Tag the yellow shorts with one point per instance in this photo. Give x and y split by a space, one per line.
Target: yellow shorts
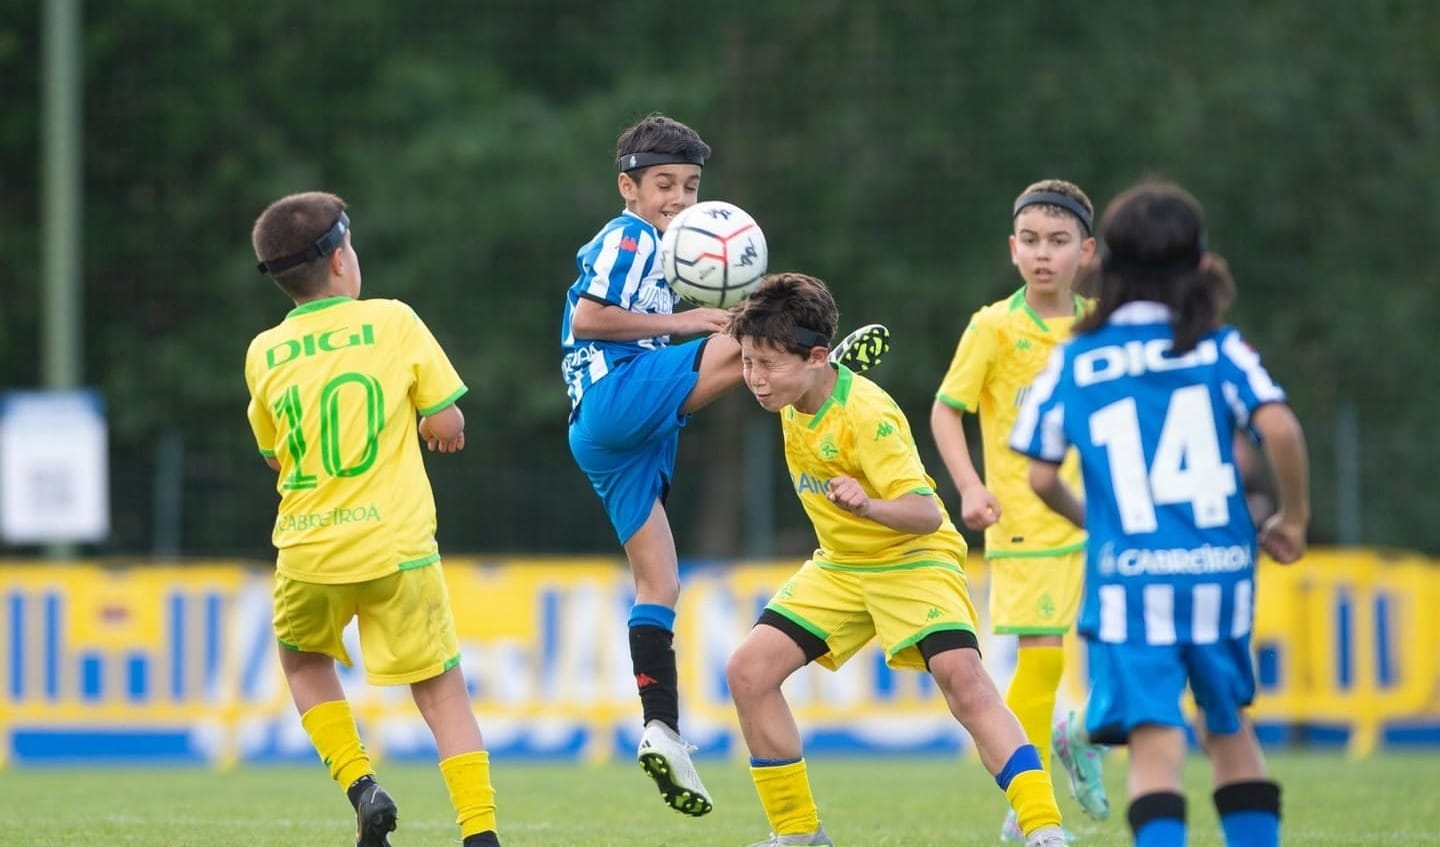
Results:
1037 595
846 606
407 632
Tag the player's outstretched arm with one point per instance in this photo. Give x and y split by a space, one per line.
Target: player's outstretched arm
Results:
1052 490
978 507
1283 535
444 431
594 321
914 514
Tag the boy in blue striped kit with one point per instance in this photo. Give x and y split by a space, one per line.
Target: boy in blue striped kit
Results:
632 391
1151 392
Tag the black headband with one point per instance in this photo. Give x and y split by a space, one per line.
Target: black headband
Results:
323 246
632 161
1051 198
810 338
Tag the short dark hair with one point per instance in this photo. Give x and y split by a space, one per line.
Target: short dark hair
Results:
792 311
1155 250
1063 188
655 133
288 226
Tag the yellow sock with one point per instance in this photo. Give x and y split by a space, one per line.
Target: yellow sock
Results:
1032 694
785 795
468 778
1033 798
331 728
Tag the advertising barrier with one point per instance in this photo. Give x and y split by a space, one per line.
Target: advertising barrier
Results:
177 663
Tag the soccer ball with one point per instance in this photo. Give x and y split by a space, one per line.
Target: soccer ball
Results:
713 253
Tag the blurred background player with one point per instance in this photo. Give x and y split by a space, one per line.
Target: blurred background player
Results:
334 393
631 392
890 565
1151 392
1036 557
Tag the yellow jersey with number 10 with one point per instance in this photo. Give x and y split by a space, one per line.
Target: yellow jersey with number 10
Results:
1004 348
334 393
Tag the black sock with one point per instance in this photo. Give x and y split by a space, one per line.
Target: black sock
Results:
488 838
357 788
652 656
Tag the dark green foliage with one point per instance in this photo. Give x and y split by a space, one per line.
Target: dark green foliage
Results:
879 145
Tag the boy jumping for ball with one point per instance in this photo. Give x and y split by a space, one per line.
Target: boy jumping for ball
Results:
631 392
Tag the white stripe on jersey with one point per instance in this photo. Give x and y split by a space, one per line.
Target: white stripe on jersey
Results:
1112 614
1205 614
1238 352
1043 386
1240 623
1159 603
598 367
1237 405
600 282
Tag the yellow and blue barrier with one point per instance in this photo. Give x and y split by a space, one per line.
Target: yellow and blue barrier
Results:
166 662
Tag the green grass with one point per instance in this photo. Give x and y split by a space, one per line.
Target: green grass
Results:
1329 801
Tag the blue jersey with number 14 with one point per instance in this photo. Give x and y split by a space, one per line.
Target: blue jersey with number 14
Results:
1172 546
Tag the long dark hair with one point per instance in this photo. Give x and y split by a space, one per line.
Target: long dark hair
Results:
1154 249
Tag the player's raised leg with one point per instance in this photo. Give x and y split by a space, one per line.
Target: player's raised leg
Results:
719 372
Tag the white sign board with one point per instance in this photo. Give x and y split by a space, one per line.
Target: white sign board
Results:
54 467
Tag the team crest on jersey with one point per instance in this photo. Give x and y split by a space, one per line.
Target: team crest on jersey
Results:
828 450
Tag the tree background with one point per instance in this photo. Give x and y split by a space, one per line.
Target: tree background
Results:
879 144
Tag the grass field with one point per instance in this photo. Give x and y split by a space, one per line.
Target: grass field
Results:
1329 801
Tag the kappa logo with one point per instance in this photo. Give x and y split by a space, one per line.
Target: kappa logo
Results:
1023 344
1046 606
932 614
629 245
883 430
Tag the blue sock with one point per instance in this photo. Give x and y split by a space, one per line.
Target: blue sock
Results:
770 763
1249 813
1158 820
1161 832
1025 758
652 614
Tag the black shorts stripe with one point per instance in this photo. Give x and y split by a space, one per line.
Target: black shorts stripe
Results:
811 644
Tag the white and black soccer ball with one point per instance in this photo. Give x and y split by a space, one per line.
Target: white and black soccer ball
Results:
713 253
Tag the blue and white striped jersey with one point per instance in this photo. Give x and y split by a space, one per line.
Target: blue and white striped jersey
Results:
619 266
1172 546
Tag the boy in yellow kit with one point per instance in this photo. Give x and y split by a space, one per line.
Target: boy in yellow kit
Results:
1036 557
889 566
335 389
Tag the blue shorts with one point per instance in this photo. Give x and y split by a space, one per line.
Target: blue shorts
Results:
626 430
1136 684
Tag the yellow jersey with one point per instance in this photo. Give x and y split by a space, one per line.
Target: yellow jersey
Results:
861 433
334 393
1004 348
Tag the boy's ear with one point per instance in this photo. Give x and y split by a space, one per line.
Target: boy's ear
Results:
819 355
628 189
1087 247
337 262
